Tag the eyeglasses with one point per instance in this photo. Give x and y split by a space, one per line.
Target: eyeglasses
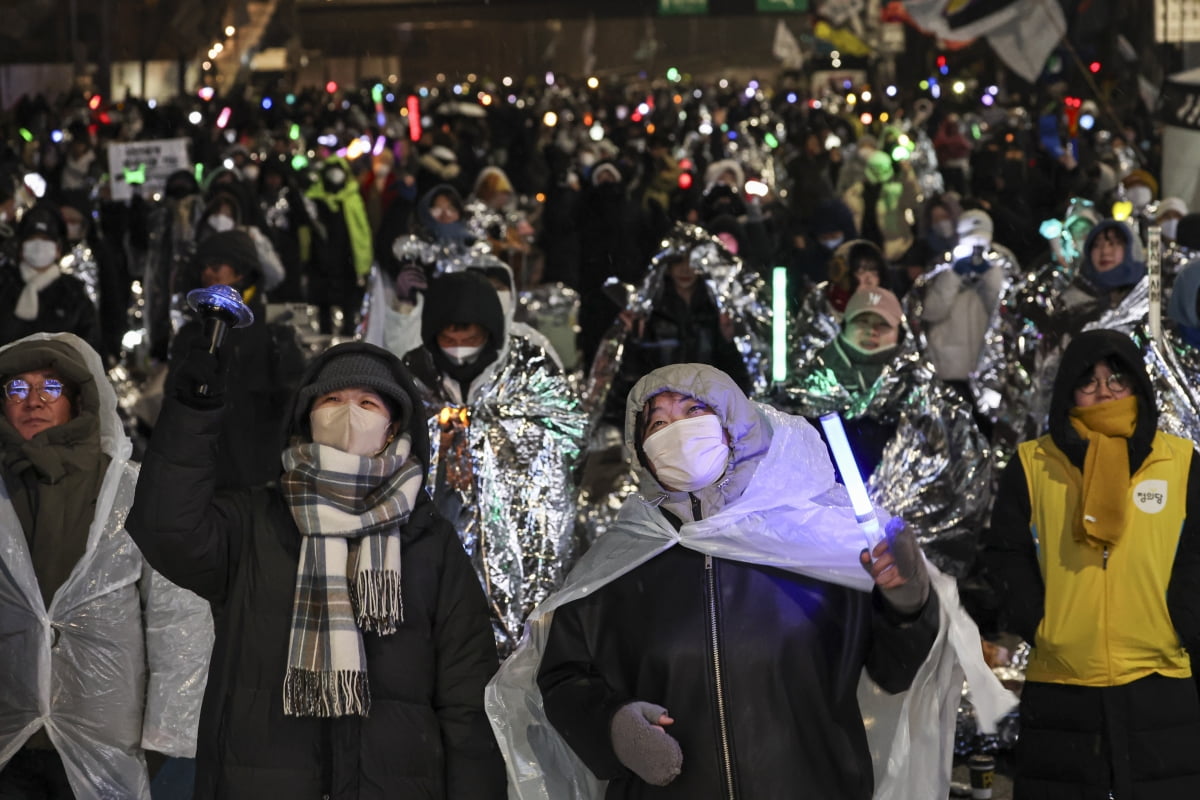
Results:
1116 383
18 390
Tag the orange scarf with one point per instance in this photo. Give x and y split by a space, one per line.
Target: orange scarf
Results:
1106 427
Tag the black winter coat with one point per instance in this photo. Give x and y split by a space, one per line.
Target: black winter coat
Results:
790 651
427 735
63 307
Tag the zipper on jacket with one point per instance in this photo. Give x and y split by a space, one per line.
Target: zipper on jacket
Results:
1105 556
718 677
696 515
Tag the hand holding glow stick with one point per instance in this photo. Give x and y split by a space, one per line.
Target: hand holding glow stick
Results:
864 512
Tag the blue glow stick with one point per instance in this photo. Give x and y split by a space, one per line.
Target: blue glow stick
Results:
864 512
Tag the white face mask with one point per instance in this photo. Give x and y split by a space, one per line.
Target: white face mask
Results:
221 222
1169 228
250 172
350 428
1139 195
39 253
832 244
688 454
462 355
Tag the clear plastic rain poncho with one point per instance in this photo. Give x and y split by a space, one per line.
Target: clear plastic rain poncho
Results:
936 469
502 462
119 662
737 292
793 516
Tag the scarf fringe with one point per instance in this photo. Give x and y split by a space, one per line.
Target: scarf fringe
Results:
309 693
378 604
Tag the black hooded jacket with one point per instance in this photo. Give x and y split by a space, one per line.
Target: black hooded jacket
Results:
427 734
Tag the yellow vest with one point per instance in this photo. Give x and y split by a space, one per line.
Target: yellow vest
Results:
1106 621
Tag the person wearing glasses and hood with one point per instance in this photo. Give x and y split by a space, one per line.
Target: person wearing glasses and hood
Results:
1094 548
336 672
103 659
711 643
507 432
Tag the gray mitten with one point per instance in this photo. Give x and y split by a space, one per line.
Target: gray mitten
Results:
643 746
909 597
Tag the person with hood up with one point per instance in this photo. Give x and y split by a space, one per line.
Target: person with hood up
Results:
1094 548
710 644
1016 370
343 258
103 659
36 296
508 431
352 643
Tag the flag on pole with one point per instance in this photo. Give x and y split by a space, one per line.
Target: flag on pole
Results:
786 48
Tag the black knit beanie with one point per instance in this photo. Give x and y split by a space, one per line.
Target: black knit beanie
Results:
234 248
356 369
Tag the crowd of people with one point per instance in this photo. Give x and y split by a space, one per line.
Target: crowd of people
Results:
507 479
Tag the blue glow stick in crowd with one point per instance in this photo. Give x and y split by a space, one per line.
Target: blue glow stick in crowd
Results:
864 512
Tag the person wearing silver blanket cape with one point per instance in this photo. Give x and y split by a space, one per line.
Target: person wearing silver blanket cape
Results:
744 661
1040 315
506 431
919 447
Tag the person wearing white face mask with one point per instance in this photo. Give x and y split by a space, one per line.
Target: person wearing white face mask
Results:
709 644
35 295
510 431
352 642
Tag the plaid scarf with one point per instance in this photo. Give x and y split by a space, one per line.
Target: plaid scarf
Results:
349 510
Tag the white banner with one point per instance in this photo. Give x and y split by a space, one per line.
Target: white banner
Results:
145 165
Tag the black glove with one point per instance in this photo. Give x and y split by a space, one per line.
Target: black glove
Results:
199 379
643 746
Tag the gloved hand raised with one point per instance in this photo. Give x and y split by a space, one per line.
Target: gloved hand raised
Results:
199 379
971 265
898 568
642 745
409 281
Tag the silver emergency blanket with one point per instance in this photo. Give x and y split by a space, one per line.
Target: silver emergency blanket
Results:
119 661
971 737
553 309
501 473
923 160
80 261
737 292
935 471
1021 354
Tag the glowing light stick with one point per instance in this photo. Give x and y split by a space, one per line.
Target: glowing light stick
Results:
779 324
864 512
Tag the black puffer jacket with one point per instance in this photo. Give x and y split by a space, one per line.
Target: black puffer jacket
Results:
63 307
427 735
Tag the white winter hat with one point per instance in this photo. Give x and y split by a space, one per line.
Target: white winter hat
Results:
975 228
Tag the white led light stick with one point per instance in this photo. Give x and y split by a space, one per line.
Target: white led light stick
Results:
864 512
